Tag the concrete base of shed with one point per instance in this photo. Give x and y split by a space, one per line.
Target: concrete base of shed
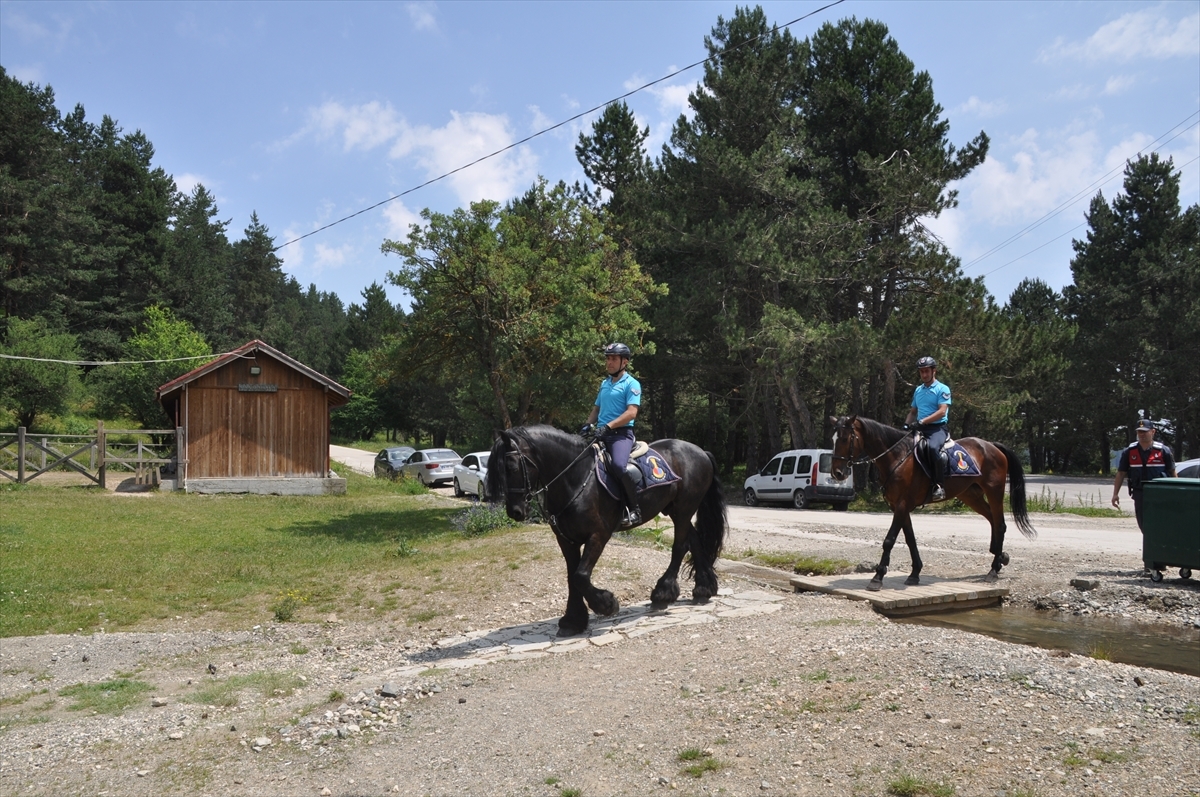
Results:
278 486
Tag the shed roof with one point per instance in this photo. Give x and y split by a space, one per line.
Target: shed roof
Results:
339 394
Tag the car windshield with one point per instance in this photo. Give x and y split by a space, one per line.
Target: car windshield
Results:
399 455
442 454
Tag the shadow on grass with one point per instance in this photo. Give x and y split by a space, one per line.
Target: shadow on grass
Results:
373 527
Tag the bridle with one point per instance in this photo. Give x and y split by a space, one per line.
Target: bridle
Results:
527 490
863 459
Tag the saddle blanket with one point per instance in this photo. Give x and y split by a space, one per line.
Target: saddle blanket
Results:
959 461
652 471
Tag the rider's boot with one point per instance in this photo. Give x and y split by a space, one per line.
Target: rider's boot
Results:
633 514
938 493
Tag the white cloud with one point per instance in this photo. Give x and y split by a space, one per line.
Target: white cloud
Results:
981 108
465 138
422 15
363 126
28 74
1117 84
33 31
398 218
538 120
327 258
186 183
1149 33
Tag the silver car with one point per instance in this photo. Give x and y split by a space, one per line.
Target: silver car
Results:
431 466
470 475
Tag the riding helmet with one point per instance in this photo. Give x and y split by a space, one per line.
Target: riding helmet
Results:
619 349
927 362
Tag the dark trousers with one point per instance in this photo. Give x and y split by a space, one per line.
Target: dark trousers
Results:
619 443
1137 508
935 437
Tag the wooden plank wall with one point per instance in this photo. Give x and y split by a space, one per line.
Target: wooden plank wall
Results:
232 434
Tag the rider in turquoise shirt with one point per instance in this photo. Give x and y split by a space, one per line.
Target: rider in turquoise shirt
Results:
930 416
611 422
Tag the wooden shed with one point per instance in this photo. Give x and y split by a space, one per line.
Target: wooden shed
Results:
254 420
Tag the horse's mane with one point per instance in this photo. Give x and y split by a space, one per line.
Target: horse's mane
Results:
538 432
890 434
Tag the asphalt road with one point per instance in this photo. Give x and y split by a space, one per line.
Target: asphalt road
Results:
959 532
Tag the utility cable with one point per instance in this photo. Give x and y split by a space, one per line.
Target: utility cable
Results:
542 132
113 362
1080 194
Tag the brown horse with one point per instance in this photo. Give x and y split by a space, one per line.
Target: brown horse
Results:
905 485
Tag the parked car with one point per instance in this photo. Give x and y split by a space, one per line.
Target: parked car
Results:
1188 469
801 477
470 475
389 461
432 466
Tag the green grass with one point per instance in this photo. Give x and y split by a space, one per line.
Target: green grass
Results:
80 559
910 786
700 762
106 697
264 684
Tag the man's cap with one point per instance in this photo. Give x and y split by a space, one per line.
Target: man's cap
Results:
1145 425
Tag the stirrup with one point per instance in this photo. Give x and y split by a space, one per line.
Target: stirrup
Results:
938 493
631 518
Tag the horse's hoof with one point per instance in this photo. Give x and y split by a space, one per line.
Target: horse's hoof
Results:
659 606
992 577
912 581
875 585
701 595
1004 560
568 627
665 594
605 603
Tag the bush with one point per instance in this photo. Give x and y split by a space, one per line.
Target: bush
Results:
481 518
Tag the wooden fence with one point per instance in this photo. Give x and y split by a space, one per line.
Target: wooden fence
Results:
24 456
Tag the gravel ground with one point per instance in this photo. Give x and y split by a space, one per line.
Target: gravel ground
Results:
821 697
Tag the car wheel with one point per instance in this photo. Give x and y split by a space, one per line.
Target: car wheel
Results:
840 507
458 493
481 492
751 498
799 500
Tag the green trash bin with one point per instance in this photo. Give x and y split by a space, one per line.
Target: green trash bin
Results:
1171 523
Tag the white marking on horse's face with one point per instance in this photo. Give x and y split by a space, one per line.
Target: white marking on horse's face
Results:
835 435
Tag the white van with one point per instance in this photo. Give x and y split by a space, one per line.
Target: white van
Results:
800 477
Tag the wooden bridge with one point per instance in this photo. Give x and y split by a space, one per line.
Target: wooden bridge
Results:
933 594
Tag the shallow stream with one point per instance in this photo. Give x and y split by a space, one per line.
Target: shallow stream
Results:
1158 646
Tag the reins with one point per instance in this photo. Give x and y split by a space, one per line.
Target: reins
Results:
538 496
865 460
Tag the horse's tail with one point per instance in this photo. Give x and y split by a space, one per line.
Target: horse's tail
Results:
1016 492
711 523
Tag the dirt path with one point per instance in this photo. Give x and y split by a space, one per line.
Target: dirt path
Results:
813 695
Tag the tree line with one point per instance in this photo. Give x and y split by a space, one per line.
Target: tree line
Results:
770 266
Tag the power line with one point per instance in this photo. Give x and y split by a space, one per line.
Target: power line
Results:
1073 229
113 362
542 132
1080 194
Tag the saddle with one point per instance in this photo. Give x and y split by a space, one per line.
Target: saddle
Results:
956 460
647 467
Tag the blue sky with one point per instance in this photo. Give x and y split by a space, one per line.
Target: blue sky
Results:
307 112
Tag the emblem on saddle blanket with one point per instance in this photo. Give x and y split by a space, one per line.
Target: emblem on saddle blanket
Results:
959 461
651 468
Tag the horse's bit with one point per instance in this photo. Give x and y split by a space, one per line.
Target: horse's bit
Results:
865 460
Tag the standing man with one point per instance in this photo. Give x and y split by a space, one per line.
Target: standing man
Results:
611 421
929 415
1144 460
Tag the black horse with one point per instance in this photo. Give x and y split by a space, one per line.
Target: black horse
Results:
905 486
557 470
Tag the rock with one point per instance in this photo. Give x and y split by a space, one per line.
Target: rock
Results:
389 690
158 702
262 741
212 669
1085 584
864 567
175 736
325 792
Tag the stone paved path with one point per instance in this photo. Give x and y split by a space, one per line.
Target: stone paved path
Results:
535 640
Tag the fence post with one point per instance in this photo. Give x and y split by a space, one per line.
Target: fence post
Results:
43 452
180 457
20 455
100 445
